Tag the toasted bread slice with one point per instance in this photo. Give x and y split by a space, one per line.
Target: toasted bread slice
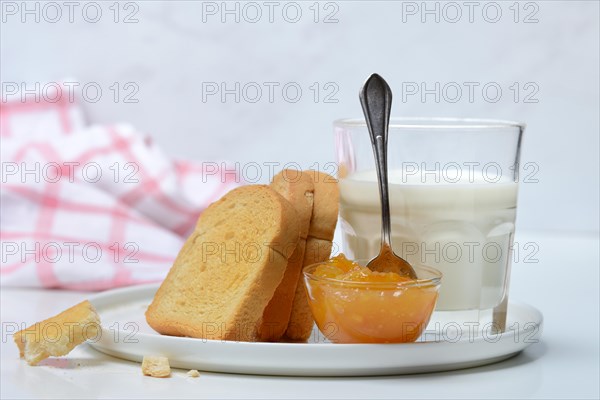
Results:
301 319
318 248
58 335
298 188
229 268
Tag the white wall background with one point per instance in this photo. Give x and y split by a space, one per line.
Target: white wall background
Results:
171 51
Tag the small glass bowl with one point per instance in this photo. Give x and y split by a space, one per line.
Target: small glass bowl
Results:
372 312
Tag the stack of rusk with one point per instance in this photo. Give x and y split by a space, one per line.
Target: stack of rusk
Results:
238 276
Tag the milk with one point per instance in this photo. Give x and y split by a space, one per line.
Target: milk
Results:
464 229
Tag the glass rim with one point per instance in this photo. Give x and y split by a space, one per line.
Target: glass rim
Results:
430 123
435 280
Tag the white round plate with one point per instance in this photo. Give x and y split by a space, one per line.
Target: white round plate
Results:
442 347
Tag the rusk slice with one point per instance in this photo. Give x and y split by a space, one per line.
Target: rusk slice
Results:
298 188
318 248
229 268
60 334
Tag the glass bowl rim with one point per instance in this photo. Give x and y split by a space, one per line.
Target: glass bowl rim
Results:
428 282
436 123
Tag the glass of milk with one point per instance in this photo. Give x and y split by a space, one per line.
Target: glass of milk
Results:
453 199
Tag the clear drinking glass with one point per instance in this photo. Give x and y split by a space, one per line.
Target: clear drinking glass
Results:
453 200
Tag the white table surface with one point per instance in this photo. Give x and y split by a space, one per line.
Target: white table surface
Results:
565 364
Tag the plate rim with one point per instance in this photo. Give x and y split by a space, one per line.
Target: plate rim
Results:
330 360
106 295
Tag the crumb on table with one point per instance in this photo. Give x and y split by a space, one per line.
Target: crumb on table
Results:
193 373
156 366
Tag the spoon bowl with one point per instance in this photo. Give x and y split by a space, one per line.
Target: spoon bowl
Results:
388 261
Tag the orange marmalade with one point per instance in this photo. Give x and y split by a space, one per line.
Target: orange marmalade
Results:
352 304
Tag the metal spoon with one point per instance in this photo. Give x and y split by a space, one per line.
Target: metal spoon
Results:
376 100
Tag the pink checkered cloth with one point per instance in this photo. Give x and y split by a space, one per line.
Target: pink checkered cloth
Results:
92 208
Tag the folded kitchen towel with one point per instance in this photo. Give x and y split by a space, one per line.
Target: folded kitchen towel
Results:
91 208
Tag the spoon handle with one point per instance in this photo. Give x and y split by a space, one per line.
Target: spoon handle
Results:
376 100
